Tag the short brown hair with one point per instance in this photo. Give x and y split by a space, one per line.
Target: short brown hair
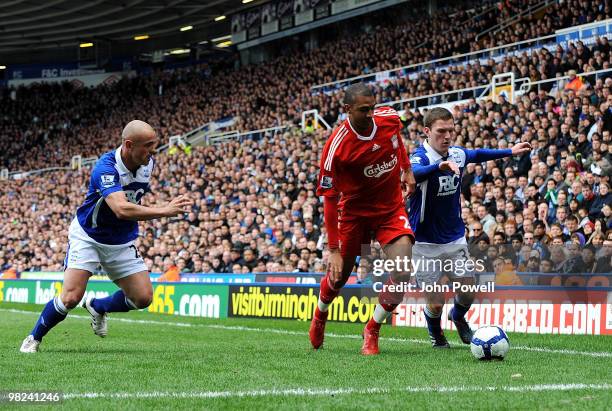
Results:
436 113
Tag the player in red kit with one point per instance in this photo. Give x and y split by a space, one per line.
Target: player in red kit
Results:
364 167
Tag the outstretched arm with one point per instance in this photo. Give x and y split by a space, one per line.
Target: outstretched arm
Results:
484 154
105 179
124 210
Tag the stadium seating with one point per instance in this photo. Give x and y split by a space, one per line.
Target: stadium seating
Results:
257 196
47 125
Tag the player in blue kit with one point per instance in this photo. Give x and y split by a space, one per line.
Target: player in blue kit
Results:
435 217
103 232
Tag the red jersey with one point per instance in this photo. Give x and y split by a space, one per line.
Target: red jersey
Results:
365 171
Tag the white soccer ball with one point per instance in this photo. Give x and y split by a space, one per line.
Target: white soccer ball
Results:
490 343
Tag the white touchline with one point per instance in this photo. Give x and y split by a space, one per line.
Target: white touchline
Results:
302 392
604 354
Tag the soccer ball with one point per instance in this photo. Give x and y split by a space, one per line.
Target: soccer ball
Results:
489 343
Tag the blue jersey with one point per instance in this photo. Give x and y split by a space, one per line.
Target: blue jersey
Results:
435 207
108 176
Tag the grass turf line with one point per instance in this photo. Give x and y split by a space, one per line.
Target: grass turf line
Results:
146 358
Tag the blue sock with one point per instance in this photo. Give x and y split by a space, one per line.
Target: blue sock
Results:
433 322
459 310
53 313
116 303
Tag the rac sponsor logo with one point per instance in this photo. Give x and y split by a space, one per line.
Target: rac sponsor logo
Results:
448 185
377 170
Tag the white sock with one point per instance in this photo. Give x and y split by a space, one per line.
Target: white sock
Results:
130 303
322 306
431 314
380 314
59 306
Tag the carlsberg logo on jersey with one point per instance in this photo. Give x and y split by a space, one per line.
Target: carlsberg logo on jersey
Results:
378 170
448 185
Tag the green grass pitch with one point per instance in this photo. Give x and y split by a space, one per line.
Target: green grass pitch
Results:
165 362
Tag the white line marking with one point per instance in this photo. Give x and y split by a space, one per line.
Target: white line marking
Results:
602 354
302 392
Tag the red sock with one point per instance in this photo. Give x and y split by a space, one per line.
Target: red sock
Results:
390 300
389 307
321 315
327 293
373 325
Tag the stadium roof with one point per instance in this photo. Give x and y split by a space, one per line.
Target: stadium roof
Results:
51 24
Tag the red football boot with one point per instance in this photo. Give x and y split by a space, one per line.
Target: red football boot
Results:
317 328
370 339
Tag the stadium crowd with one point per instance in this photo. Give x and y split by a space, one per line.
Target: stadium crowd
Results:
45 125
255 205
557 15
256 209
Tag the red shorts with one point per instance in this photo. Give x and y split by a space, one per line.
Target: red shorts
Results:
356 232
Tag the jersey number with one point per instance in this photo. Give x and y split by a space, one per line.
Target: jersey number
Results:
406 222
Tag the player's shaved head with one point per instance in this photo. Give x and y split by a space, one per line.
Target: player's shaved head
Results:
137 131
354 90
138 144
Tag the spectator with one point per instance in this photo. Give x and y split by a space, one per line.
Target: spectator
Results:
9 273
504 273
604 259
172 272
603 198
586 265
574 83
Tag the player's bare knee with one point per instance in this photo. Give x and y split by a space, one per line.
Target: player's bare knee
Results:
435 308
71 299
401 247
143 303
143 300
